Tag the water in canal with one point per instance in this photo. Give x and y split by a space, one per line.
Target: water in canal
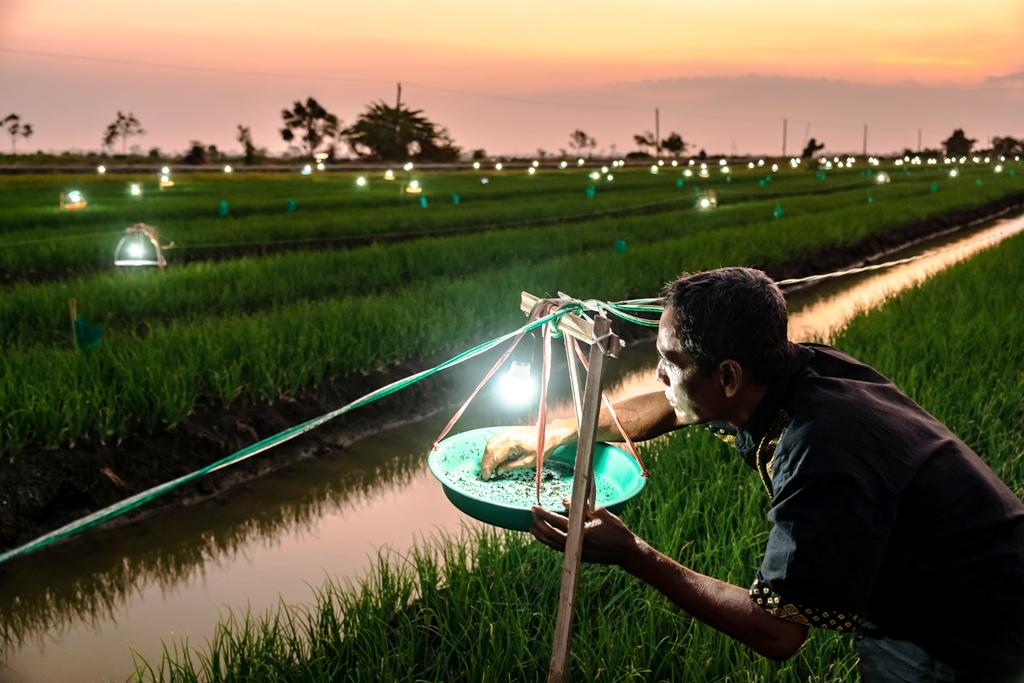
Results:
76 611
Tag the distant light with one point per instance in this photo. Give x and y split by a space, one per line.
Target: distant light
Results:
165 181
703 173
594 175
760 163
775 168
899 162
407 166
705 203
101 169
361 181
661 162
691 162
165 170
882 178
135 190
703 165
228 169
580 162
722 162
74 197
954 172
535 163
320 156
840 164
986 160
609 177
725 169
320 166
654 169
136 250
687 173
976 159
476 165
516 386
998 168
674 163
307 169
413 187
498 166
484 181
532 170
563 164
389 174
750 164
604 169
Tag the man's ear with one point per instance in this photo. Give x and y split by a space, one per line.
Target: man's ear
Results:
731 373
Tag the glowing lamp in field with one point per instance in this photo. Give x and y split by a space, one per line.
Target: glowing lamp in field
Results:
674 163
691 162
531 170
484 181
750 164
535 163
413 187
986 160
604 169
361 181
320 166
498 166
654 169
140 246
775 168
407 166
165 170
228 169
688 173
998 168
516 386
135 190
760 163
389 174
320 156
954 172
708 201
882 179
307 170
725 169
165 182
609 177
72 200
661 162
563 164
899 162
580 162
703 173
594 175
101 169
476 165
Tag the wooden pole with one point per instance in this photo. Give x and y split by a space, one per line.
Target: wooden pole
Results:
785 125
582 484
657 133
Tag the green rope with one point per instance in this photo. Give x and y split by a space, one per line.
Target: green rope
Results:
129 504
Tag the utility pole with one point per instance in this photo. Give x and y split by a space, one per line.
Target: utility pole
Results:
918 140
784 124
657 133
398 100
864 151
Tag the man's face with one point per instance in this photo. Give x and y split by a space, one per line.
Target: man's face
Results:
693 396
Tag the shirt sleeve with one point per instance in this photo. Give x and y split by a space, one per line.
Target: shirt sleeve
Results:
829 531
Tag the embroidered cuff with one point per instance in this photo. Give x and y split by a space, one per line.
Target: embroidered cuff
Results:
770 601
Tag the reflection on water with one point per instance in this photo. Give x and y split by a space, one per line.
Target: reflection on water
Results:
73 612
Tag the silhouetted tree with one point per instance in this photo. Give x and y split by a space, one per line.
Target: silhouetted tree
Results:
1007 146
386 132
478 154
674 144
811 148
124 127
154 153
702 155
958 144
312 121
15 128
645 140
245 140
196 154
580 141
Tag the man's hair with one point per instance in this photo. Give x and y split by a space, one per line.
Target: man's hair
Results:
736 313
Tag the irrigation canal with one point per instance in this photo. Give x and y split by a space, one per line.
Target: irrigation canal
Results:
75 611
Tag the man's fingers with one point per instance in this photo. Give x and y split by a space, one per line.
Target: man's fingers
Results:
526 460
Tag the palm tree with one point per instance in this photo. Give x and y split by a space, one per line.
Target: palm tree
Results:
394 133
315 123
15 128
124 127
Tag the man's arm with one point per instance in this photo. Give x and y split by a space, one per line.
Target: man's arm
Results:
718 604
643 417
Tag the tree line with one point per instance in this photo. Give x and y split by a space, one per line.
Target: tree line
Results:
385 132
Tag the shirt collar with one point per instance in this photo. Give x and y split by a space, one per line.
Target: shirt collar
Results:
754 429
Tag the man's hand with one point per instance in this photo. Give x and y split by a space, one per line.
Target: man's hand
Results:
517 448
606 540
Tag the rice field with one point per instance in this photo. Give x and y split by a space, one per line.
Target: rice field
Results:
253 328
481 606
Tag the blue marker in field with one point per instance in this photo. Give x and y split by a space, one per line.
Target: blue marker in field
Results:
871 200
456 198
292 206
680 182
620 246
423 202
935 187
820 175
591 191
777 213
222 208
977 181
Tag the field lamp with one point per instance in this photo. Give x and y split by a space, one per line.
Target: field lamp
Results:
516 386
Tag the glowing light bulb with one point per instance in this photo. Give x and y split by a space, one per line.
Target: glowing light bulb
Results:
389 174
101 169
750 164
954 172
563 164
604 169
407 166
165 170
135 250
654 169
307 169
228 169
516 386
609 177
476 165
688 173
531 170
361 181
320 166
498 166
882 178
705 203
580 162
674 163
74 196
998 168
760 163
661 162
722 162
135 190
775 168
535 163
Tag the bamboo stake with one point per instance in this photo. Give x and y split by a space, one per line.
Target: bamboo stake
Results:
582 485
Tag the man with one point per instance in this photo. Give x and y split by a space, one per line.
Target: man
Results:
883 522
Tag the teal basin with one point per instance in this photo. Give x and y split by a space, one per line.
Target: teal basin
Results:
505 501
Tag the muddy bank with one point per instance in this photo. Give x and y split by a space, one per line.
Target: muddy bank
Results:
44 489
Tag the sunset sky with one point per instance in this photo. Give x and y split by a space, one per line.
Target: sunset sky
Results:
524 76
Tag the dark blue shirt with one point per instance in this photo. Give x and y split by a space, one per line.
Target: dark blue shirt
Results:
882 519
